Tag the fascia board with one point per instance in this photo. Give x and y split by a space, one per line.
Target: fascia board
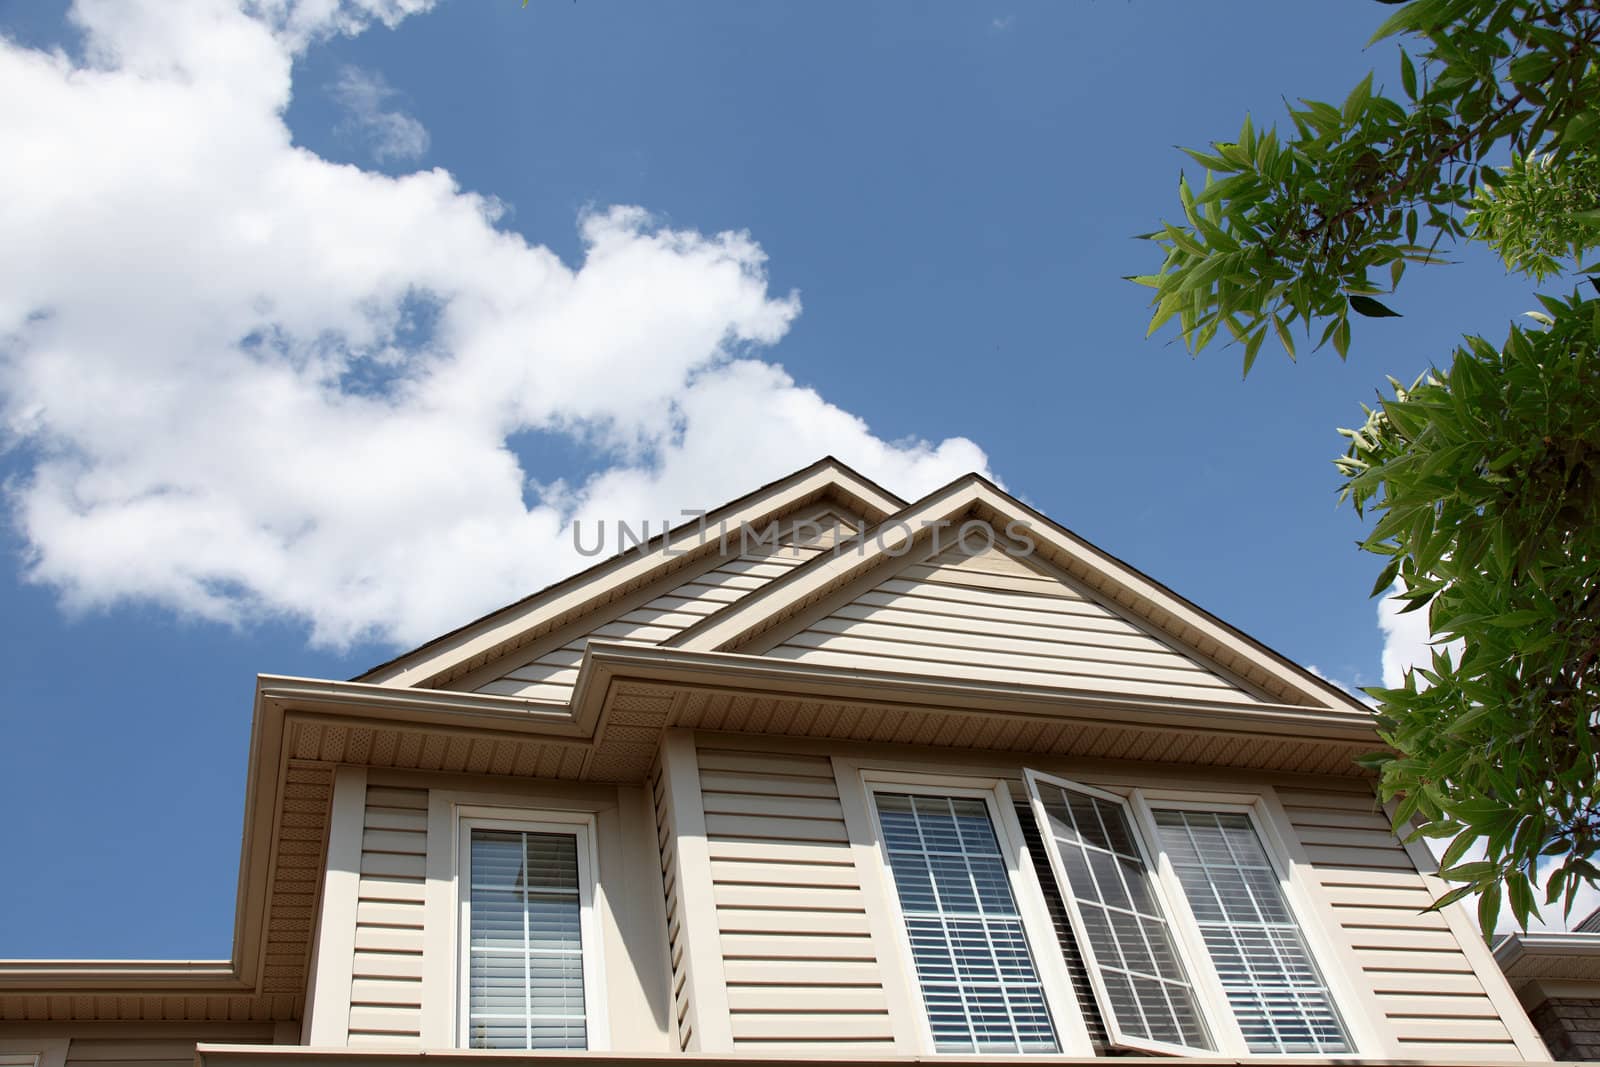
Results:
443 654
605 662
888 540
1525 946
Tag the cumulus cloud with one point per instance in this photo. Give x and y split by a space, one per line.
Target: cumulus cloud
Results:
1407 639
247 382
388 132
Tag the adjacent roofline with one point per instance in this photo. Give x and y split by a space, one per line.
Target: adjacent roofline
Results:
421 665
100 976
893 537
1554 944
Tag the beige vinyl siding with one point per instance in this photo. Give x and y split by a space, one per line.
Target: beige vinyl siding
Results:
989 616
386 979
682 1017
1435 1005
130 1052
551 675
801 970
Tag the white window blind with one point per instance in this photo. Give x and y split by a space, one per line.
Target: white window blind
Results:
1278 996
977 977
525 946
1137 974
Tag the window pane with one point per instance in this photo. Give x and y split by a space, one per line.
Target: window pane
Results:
971 954
1147 990
525 947
1277 993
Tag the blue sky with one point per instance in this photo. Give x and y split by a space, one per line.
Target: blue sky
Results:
944 194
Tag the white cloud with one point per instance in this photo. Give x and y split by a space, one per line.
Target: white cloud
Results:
1407 639
209 360
1348 687
389 133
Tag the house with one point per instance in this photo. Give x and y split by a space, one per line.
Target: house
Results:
819 773
1557 978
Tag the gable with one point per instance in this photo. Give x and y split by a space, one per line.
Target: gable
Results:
549 670
984 615
467 656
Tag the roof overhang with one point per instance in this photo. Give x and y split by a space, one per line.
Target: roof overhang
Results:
1561 956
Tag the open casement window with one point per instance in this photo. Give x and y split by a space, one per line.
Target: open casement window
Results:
528 946
968 940
1189 938
1114 900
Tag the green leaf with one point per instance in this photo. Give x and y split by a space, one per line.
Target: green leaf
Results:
1372 309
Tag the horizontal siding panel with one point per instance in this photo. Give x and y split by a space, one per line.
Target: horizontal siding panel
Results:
1089 682
386 986
799 1025
816 972
773 763
372 964
779 947
380 1020
1472 1006
773 828
797 953
811 898
1459 1051
382 797
413 820
780 851
931 643
791 807
805 998
1338 856
388 913
985 616
406 842
725 873
381 1040
403 992
726 782
773 921
1398 918
551 674
410 890
1103 632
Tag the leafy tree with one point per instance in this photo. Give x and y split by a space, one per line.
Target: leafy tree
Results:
1484 476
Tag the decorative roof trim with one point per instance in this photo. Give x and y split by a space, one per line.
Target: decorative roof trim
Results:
792 594
437 660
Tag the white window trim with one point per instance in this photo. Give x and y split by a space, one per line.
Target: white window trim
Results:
1072 1035
33 1052
1253 806
1216 1017
581 825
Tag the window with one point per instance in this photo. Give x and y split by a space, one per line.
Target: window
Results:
1114 902
969 945
1181 915
527 942
1278 996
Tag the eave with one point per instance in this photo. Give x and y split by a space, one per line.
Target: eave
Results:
1560 956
